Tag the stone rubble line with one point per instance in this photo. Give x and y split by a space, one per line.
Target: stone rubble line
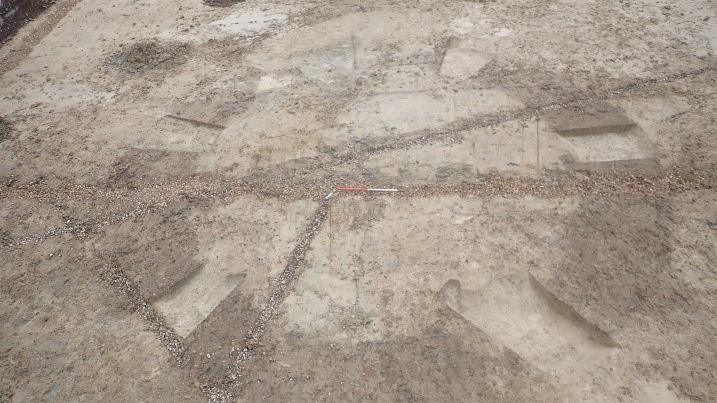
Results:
118 279
149 199
222 391
553 185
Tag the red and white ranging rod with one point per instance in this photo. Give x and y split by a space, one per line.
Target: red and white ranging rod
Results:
359 189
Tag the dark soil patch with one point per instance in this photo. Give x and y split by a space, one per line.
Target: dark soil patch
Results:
149 55
222 3
5 130
16 13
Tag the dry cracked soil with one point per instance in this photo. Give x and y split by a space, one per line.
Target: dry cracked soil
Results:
171 229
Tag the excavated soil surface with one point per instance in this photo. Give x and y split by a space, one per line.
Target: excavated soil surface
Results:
171 228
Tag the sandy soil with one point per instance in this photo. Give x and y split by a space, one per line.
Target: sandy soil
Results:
166 234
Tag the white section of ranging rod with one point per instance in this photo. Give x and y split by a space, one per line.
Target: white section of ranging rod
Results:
382 190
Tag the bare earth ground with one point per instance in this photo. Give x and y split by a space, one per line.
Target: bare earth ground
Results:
165 234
